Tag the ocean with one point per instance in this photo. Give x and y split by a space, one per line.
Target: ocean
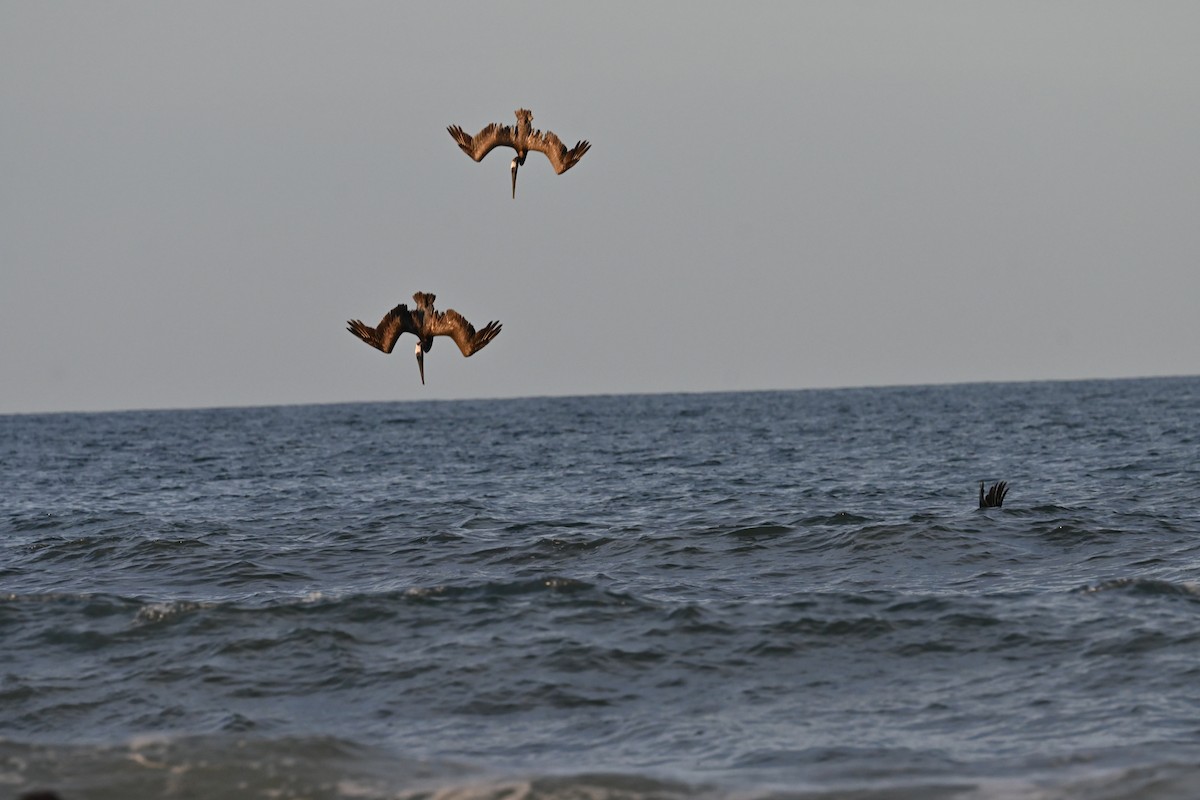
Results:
748 595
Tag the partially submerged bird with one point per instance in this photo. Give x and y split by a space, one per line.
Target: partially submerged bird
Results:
995 495
522 138
425 322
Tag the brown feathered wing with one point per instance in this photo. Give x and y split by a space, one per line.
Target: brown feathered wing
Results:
455 325
384 335
485 141
560 157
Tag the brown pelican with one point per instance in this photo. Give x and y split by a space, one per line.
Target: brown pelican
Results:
522 138
425 322
995 495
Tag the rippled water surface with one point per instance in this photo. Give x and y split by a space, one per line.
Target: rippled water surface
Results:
787 594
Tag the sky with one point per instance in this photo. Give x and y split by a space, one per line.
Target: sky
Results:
196 196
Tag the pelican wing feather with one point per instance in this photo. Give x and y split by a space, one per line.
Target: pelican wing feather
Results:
995 495
552 147
485 141
384 335
455 325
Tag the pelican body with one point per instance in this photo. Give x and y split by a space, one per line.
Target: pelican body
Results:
521 138
424 322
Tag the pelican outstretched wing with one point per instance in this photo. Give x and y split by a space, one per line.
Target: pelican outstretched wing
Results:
485 141
455 325
560 157
384 335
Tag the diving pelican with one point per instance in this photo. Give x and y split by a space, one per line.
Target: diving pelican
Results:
995 495
425 322
522 138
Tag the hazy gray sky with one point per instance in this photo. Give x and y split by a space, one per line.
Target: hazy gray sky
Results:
195 197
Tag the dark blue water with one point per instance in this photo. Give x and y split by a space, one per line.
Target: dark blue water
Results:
780 594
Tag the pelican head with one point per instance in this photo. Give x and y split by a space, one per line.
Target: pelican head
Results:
421 361
513 166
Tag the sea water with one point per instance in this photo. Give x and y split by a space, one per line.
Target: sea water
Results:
748 595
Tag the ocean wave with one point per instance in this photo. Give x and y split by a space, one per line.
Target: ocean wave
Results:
498 589
238 764
1149 587
747 588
